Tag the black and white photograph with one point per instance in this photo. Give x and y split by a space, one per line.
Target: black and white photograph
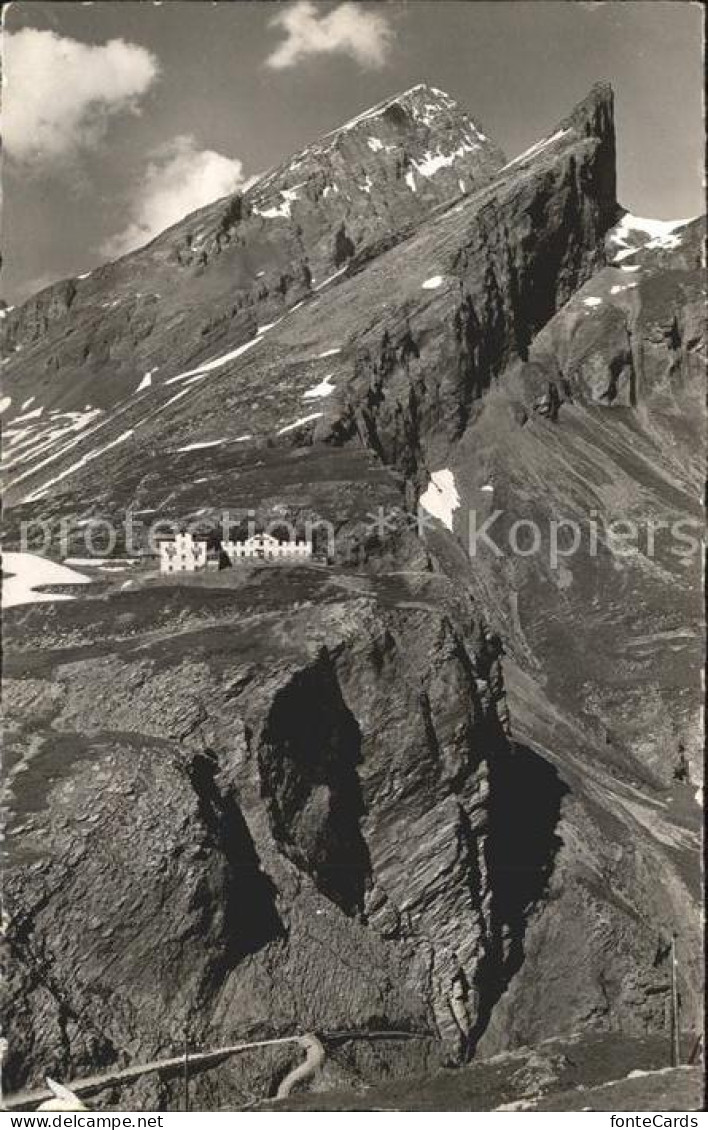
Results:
353 405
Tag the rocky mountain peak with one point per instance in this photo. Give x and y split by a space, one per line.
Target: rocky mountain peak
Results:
384 316
418 115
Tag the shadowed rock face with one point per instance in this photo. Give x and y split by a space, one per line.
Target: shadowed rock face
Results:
417 791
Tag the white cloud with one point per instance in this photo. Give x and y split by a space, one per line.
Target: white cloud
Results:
59 93
348 29
179 179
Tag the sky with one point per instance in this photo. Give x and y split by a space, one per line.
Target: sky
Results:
119 117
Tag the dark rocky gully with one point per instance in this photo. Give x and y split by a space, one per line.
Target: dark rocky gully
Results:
437 810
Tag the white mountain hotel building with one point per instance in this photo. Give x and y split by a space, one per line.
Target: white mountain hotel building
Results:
184 553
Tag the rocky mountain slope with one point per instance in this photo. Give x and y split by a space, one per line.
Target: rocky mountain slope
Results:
442 792
243 261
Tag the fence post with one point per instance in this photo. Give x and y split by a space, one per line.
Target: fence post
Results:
186 1067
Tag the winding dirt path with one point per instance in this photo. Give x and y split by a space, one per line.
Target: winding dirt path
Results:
314 1058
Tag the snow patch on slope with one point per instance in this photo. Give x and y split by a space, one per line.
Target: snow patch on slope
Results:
433 162
217 362
324 388
33 415
34 440
284 209
633 233
88 458
373 112
146 381
202 443
97 562
327 281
